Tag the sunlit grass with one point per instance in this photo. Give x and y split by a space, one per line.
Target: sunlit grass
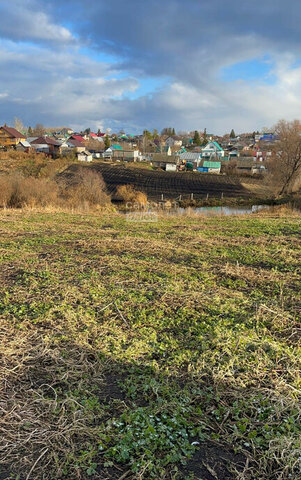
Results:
125 347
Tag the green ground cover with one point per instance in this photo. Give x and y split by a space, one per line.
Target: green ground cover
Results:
166 350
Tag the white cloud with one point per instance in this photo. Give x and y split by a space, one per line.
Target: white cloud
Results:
26 21
44 77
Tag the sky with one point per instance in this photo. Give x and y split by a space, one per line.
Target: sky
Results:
139 64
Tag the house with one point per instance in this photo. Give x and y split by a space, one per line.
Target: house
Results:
212 150
130 155
210 167
47 145
250 166
166 162
79 138
77 145
173 141
114 151
23 146
10 137
127 155
84 156
191 157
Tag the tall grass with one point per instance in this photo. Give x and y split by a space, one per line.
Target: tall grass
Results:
87 190
128 194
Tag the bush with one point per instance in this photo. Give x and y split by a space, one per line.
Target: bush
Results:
17 191
128 194
87 190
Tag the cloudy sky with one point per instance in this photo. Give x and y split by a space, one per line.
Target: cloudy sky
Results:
150 63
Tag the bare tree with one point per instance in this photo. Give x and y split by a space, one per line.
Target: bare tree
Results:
39 130
285 164
18 124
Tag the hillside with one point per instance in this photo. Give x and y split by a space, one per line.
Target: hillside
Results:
165 350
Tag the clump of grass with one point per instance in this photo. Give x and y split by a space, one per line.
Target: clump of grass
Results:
17 191
128 194
87 189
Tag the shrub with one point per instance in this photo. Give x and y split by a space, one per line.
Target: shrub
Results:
87 188
17 191
128 194
6 189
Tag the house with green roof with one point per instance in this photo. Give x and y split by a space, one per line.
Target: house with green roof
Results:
210 166
213 151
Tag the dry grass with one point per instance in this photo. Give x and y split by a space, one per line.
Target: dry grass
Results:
17 191
87 187
33 164
38 425
128 194
87 191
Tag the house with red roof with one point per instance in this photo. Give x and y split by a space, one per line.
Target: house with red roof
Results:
79 138
47 145
10 137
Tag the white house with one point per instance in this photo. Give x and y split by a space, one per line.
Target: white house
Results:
212 150
84 156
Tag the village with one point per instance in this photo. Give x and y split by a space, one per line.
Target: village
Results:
194 151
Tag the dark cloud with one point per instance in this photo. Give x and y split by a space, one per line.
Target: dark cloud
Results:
45 76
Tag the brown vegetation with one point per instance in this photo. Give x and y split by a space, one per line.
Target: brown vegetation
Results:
33 164
87 190
128 194
87 187
285 164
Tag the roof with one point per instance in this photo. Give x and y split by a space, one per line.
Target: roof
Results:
163 158
208 164
75 143
190 156
46 141
25 144
13 132
246 162
116 147
85 152
218 147
78 137
92 134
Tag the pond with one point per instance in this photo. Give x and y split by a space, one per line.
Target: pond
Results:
225 210
153 211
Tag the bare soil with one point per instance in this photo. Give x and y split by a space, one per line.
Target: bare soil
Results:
171 184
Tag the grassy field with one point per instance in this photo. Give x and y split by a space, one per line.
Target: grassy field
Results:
166 350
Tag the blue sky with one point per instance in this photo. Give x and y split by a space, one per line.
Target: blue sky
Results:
193 65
